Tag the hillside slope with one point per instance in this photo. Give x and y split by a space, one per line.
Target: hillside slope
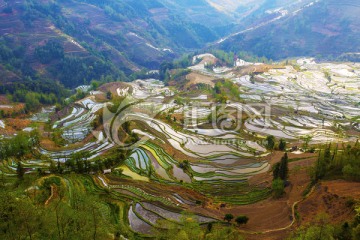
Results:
325 28
96 38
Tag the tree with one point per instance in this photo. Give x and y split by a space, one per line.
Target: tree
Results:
20 171
344 232
252 78
53 168
276 170
278 187
32 101
20 219
59 168
306 140
284 168
95 85
164 70
282 144
281 169
81 220
209 227
50 51
320 168
242 219
356 232
319 229
327 155
270 142
228 217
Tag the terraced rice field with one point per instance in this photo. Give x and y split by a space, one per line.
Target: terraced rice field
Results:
76 126
184 164
315 106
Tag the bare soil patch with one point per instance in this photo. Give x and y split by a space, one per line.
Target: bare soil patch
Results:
196 78
330 198
257 69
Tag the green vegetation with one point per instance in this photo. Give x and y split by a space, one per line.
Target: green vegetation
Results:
333 162
33 100
278 187
280 175
306 140
240 220
270 142
33 90
281 168
226 58
19 146
327 76
50 51
84 215
191 230
239 193
225 90
282 144
76 71
321 228
228 217
81 49
78 162
20 171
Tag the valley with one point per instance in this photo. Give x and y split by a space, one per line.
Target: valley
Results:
196 147
164 119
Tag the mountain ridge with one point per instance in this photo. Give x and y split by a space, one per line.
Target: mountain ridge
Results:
119 36
303 33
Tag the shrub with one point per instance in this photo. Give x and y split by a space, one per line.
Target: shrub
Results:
241 219
278 187
228 217
282 145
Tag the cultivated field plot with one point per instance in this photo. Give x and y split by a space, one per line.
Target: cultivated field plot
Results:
320 100
185 155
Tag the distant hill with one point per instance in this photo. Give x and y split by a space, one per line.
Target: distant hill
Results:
75 41
328 29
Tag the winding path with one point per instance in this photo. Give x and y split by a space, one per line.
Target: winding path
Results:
293 217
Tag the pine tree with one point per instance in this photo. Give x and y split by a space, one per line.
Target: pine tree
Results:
276 171
327 155
270 142
284 168
320 168
282 145
20 171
